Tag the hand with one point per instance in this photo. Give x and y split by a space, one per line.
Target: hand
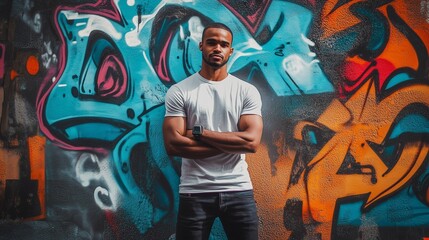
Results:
189 134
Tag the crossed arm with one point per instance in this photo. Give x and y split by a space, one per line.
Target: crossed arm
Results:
180 142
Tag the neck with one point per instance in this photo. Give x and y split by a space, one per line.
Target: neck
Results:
214 74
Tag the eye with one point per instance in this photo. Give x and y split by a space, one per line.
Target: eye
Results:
111 78
225 45
104 76
211 43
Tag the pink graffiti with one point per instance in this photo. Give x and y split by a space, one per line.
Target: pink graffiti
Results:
111 80
252 15
161 65
105 8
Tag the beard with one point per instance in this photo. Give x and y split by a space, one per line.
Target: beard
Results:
215 65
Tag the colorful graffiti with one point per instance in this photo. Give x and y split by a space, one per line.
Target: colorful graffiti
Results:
372 141
345 101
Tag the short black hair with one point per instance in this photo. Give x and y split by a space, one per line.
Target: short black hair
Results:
218 25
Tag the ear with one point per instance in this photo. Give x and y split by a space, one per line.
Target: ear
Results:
103 199
88 169
200 46
232 50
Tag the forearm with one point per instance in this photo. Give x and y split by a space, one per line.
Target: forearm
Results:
245 140
187 147
180 142
231 142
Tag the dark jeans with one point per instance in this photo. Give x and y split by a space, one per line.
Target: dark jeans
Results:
236 211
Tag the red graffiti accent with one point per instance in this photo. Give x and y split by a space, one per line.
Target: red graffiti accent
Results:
355 73
252 15
312 2
13 74
111 220
32 65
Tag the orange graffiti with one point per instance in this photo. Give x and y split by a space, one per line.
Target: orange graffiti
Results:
343 17
270 209
361 121
32 65
36 149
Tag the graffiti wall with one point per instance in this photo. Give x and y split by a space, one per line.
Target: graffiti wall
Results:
345 91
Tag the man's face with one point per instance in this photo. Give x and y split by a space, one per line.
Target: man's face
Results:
216 47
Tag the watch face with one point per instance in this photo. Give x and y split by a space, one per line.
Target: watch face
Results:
197 130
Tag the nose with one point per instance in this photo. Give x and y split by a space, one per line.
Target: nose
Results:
217 48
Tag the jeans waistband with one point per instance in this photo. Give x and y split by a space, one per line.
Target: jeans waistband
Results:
212 193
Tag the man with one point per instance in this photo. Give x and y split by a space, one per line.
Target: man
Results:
212 119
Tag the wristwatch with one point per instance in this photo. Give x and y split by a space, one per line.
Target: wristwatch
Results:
197 131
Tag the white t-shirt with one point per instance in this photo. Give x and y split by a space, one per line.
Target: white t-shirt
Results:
217 106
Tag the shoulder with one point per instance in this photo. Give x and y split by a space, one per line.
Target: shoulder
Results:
186 82
239 80
244 84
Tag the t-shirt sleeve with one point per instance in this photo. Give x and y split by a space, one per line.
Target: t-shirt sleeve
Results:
174 103
252 102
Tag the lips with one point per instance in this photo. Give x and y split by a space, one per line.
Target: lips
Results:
216 56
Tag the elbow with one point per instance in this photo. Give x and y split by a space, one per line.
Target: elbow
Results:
252 147
253 150
171 151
